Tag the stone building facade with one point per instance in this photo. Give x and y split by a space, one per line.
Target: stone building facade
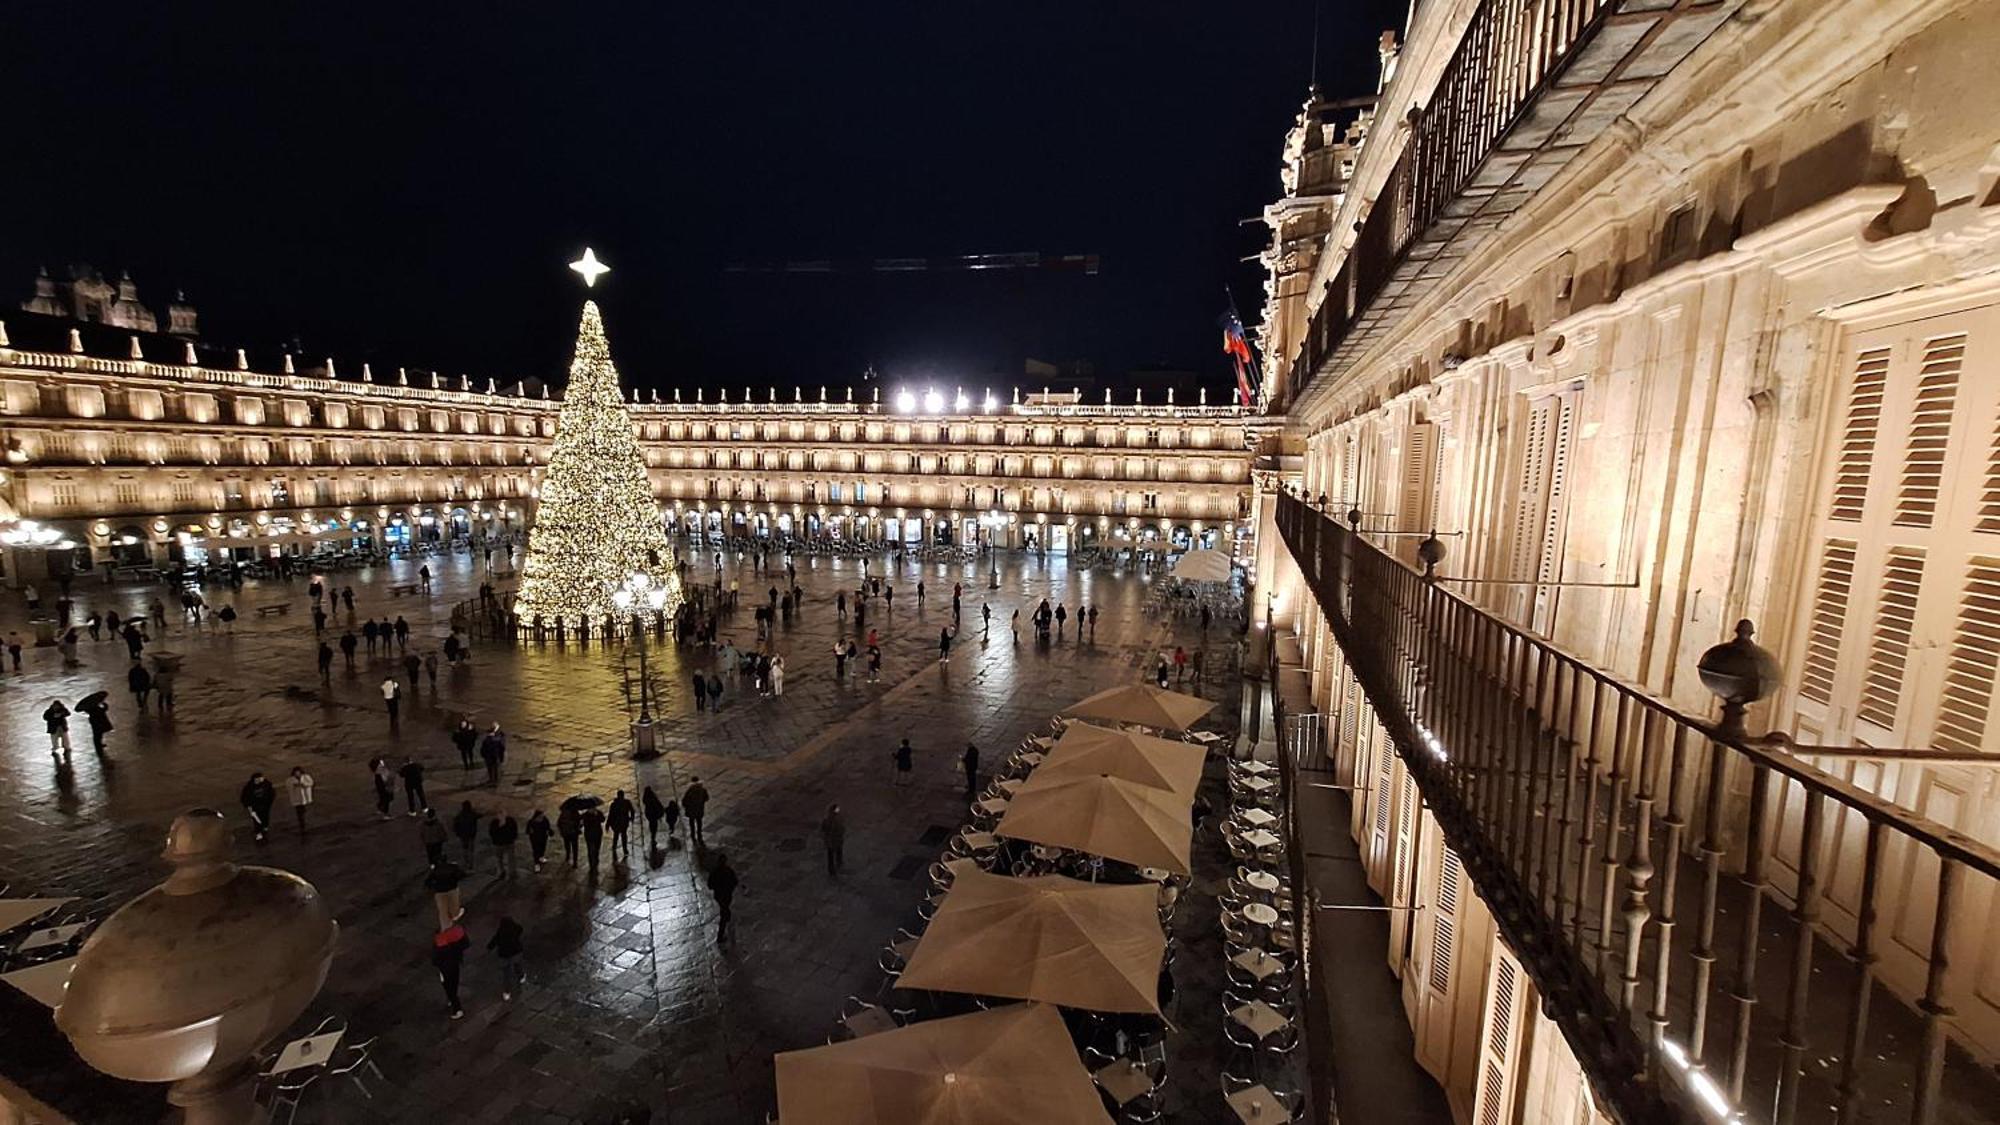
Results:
139 456
1693 319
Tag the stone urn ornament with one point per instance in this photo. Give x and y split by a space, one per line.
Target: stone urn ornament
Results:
186 982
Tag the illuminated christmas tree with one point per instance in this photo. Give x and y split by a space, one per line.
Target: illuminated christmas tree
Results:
597 525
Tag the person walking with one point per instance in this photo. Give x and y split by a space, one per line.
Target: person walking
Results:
319 621
325 662
465 826
1160 671
944 644
1093 624
257 796
715 693
777 676
833 832
412 772
141 683
920 595
433 836
620 822
347 600
905 762
299 787
403 638
412 668
570 825
538 837
347 643
700 692
1015 625
970 761
424 577
501 832
369 632
392 698
465 736
1180 664
493 751
1194 667
649 803
506 945
431 671
385 786
448 957
1062 616
56 718
874 663
722 883
98 712
593 835
986 611
695 803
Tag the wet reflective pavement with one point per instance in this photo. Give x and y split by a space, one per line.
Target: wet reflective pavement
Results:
630 1002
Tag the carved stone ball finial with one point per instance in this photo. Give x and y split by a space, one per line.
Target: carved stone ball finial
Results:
1739 672
184 983
1430 551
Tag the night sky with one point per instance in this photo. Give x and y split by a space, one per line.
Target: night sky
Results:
403 184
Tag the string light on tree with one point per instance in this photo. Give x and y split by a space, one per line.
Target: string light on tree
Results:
597 525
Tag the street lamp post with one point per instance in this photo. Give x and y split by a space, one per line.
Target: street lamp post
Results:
992 522
638 590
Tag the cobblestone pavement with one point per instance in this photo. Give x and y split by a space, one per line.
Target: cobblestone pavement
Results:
629 1001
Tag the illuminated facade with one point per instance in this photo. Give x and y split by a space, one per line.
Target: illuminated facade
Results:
1664 316
139 447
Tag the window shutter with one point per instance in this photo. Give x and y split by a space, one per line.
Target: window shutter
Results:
1989 497
1889 649
1857 441
1494 1097
1827 620
1528 501
1930 430
1413 508
1975 656
1444 921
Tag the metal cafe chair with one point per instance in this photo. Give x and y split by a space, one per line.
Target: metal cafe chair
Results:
287 1094
360 1060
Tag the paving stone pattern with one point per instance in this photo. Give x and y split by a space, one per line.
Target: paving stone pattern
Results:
630 1001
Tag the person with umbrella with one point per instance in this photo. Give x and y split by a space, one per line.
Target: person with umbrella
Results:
97 707
257 797
56 716
569 823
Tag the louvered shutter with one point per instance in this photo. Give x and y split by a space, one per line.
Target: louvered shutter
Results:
1500 1032
1413 504
1826 619
1975 656
1541 510
1889 647
1555 515
1444 921
1858 436
1402 867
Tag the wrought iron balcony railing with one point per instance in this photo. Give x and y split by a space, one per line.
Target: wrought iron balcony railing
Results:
1720 928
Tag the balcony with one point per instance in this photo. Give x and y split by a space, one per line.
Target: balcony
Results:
1718 926
1529 85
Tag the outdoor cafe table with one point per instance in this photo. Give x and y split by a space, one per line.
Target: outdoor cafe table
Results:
870 1021
16 911
1205 737
1256 768
52 935
1261 838
1255 818
313 1050
992 806
1030 758
1260 1019
1254 1104
1262 880
981 841
1125 1080
1255 785
1261 913
1258 963
1008 785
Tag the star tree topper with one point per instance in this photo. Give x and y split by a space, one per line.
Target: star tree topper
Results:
589 267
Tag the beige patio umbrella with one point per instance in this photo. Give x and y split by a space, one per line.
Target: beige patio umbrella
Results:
1143 704
1103 815
1043 938
1008 1066
1163 763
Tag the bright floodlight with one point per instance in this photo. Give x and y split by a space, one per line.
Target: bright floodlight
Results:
933 402
622 599
905 402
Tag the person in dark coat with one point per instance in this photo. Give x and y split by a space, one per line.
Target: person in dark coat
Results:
570 825
56 718
593 835
971 763
403 635
501 833
141 683
466 737
506 945
432 833
904 757
99 714
258 796
465 826
700 692
412 772
695 803
833 832
385 786
448 956
134 640
325 660
715 693
493 751
347 643
722 883
620 820
369 632
649 803
538 837
442 882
